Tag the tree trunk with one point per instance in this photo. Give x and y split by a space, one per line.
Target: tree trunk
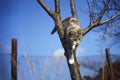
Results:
74 68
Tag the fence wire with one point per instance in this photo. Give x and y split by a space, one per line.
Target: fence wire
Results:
55 67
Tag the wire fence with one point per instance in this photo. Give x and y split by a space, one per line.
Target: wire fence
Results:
55 67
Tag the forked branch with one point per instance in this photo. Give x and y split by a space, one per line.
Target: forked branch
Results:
96 24
98 21
55 15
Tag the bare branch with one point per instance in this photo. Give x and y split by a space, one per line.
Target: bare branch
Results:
57 6
90 27
96 24
103 10
111 18
57 20
89 8
73 9
48 10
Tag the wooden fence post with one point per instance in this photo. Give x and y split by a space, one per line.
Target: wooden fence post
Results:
109 64
14 59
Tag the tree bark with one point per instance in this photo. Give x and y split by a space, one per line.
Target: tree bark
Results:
74 69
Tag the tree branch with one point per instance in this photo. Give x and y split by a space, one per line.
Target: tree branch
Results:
58 21
48 10
111 18
73 9
96 24
103 10
90 27
57 6
55 15
89 8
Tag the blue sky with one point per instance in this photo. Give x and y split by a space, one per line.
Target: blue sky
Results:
30 24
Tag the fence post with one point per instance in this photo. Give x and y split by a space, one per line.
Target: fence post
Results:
109 63
14 59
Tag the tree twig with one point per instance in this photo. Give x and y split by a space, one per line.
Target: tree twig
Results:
103 10
89 8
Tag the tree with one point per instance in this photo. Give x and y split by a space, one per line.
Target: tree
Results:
110 32
95 21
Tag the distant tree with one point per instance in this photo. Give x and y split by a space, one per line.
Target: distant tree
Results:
98 10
